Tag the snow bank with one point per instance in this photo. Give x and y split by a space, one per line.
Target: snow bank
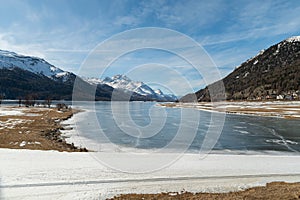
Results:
6 111
16 111
70 133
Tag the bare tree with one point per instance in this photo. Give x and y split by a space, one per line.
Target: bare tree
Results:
1 98
48 101
20 101
30 100
27 101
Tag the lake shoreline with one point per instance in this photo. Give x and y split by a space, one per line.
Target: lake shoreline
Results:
281 109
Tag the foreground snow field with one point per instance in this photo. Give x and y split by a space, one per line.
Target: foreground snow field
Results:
29 174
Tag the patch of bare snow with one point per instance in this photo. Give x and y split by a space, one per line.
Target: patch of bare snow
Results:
34 143
277 50
246 74
11 123
9 112
19 111
23 143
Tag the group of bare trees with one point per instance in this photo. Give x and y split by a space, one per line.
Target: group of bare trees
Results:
31 101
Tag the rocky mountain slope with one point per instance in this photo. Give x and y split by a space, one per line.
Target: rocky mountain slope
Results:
274 73
10 60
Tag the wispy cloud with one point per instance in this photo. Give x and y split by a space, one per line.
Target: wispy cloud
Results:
258 20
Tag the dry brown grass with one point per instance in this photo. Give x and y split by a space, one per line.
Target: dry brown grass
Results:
272 191
39 128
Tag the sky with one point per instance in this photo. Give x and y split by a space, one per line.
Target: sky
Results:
65 32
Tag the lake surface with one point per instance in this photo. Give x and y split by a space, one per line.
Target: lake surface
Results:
145 125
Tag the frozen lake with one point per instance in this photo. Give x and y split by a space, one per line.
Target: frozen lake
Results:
145 125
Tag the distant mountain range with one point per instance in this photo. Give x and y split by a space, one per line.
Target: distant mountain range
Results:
23 76
124 83
274 73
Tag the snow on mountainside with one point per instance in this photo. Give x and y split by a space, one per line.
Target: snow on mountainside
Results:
170 96
290 40
125 83
293 39
33 64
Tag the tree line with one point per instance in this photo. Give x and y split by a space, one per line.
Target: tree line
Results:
30 100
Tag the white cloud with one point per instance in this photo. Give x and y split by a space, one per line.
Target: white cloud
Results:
7 42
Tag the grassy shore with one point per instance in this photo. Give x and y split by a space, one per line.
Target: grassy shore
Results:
34 128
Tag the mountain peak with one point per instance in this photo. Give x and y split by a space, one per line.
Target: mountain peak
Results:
293 39
7 53
120 77
20 56
35 65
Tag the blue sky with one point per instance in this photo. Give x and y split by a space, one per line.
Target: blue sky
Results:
64 31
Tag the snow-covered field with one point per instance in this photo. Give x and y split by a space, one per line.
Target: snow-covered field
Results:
28 174
18 111
7 111
11 123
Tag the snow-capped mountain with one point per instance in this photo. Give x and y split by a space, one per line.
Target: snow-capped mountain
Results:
33 64
166 96
124 83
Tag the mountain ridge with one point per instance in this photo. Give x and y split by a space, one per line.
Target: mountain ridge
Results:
33 64
274 73
123 82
